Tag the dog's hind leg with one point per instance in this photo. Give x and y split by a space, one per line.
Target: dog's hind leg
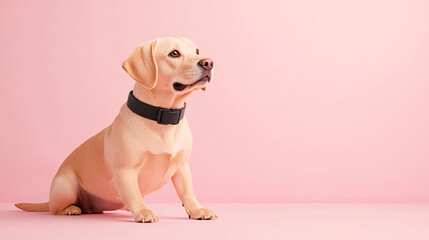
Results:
63 195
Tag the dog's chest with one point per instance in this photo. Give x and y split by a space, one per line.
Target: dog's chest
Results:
163 142
157 170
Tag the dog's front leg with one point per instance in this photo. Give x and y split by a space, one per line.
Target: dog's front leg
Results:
125 181
182 181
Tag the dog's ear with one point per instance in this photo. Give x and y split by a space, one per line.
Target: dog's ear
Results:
141 65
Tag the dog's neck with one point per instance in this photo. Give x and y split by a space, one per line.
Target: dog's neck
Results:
158 98
164 98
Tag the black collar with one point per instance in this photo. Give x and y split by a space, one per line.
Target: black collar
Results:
160 115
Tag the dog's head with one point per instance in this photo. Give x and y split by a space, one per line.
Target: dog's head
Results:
169 63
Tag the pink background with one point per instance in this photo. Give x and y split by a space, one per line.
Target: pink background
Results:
311 101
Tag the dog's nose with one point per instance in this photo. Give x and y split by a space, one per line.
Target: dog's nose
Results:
206 63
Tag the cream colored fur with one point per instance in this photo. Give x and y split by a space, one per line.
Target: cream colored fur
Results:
135 156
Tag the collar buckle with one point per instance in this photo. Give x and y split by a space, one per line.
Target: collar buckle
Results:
169 116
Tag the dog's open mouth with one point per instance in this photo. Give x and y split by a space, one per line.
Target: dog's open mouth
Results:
180 86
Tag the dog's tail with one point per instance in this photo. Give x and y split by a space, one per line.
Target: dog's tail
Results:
33 207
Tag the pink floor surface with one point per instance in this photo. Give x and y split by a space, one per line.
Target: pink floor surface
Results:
237 221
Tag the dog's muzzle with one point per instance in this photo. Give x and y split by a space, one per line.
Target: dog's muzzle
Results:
207 65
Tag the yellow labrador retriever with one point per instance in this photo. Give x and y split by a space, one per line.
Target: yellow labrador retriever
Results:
138 154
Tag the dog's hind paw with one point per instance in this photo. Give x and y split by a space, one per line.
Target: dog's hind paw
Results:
71 210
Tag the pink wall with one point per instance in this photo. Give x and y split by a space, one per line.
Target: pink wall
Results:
312 101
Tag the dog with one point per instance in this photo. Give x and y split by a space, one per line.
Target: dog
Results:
136 155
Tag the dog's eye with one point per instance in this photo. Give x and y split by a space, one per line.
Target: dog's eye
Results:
174 54
197 51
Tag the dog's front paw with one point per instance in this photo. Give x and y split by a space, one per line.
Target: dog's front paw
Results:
202 214
146 216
